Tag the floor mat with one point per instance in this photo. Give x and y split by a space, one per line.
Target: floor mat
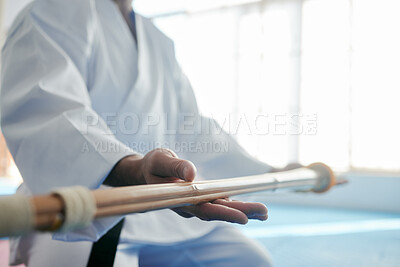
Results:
307 236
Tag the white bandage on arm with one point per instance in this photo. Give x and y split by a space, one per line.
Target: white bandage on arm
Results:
16 215
80 207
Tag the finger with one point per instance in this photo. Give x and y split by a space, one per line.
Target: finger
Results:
252 210
166 163
212 212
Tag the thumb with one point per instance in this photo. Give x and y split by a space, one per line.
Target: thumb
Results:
166 163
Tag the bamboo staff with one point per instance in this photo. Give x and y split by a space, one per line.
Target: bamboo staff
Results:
49 210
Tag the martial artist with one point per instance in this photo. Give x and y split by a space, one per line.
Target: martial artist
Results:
89 90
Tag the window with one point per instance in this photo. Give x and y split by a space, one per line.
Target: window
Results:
312 80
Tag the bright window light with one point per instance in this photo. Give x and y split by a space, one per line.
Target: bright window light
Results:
334 64
325 81
375 141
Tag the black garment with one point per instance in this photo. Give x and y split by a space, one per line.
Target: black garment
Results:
104 250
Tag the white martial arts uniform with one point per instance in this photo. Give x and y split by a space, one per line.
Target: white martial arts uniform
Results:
77 95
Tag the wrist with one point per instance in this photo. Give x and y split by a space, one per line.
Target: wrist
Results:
128 171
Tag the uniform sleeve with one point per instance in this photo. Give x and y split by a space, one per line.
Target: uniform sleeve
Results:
54 135
215 153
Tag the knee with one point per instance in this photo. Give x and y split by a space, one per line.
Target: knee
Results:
253 254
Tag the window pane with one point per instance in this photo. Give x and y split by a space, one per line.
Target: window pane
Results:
376 85
277 73
157 7
246 66
205 48
325 81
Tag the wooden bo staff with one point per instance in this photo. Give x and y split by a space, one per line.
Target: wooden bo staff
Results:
48 211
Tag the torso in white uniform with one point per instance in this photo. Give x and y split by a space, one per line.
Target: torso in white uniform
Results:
64 63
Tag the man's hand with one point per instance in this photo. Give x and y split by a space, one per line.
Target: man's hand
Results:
163 166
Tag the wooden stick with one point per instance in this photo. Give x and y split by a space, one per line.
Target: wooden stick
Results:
48 209
179 202
144 198
142 193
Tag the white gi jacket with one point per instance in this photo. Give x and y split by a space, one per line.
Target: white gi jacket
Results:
77 96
